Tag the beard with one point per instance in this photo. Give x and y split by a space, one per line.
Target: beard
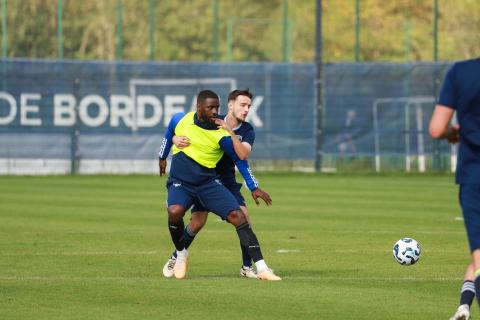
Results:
239 118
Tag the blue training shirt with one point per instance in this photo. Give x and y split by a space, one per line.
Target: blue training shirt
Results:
461 92
226 167
188 170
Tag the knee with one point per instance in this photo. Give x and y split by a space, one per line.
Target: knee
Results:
198 221
175 213
245 212
236 217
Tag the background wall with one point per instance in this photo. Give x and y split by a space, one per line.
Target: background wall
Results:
81 116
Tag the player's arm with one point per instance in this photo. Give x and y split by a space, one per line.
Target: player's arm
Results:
226 144
167 142
440 127
242 165
242 149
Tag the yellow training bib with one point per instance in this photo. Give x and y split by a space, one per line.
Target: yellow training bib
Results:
204 147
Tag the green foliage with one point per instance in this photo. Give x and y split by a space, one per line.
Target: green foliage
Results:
183 31
31 26
92 247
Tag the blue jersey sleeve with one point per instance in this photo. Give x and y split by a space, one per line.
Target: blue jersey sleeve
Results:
227 145
249 136
167 139
448 93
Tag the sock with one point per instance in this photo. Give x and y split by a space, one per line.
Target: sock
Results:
468 293
188 236
477 284
246 259
181 253
176 232
261 265
249 241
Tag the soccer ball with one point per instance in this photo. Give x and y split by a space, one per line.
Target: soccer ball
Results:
406 251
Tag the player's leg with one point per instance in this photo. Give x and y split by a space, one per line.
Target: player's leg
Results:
176 225
249 240
476 263
467 295
179 199
197 221
219 200
246 270
468 288
469 200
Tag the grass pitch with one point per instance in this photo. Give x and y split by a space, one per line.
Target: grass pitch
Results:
92 247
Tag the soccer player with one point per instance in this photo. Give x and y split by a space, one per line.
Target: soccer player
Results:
460 93
243 135
193 179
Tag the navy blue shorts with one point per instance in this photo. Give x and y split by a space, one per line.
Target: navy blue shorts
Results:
470 203
212 195
233 187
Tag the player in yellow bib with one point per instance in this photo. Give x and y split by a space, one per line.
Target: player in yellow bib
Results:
193 179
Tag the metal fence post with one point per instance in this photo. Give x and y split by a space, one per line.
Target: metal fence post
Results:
229 39
152 28
319 87
75 133
435 31
286 57
119 29
4 29
408 40
216 30
436 144
59 29
357 30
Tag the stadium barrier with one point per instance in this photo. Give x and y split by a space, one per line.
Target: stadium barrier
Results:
60 117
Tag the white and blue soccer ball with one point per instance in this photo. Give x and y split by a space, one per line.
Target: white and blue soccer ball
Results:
406 251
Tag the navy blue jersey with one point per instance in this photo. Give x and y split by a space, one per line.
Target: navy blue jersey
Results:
226 167
461 92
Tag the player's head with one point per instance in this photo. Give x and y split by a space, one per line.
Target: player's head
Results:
207 105
239 103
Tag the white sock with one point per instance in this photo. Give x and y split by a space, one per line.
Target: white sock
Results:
261 266
182 253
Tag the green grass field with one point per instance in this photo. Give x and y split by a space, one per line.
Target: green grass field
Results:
92 247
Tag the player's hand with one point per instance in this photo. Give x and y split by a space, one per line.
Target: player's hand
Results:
162 166
454 134
181 141
222 124
259 193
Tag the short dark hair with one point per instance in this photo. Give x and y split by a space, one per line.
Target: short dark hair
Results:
235 93
203 95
